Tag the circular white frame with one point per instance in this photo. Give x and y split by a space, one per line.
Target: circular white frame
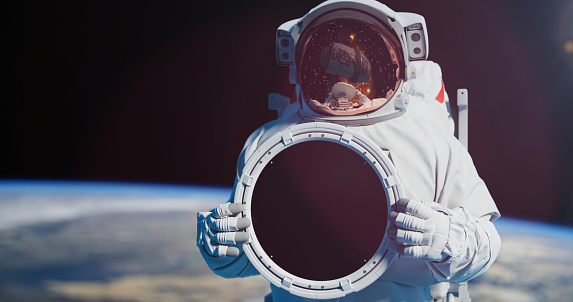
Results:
378 160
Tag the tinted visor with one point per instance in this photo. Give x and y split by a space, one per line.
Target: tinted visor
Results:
347 67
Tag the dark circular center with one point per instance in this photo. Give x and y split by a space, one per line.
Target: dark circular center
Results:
319 210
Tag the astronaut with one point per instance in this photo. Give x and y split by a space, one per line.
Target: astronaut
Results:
359 64
341 98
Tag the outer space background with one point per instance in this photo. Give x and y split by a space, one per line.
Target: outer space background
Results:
152 101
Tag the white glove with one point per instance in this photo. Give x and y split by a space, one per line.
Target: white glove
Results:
426 230
219 229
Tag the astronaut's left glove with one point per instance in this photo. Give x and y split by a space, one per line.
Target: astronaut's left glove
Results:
426 230
456 246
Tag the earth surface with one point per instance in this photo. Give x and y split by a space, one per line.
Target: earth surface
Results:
80 241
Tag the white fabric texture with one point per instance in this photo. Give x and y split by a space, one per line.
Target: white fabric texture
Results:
426 86
433 166
216 232
205 237
422 231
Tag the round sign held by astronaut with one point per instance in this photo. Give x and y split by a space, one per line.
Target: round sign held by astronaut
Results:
318 196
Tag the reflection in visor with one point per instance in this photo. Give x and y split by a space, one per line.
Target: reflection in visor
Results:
347 62
351 52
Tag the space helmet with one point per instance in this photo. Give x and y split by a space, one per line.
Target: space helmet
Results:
349 59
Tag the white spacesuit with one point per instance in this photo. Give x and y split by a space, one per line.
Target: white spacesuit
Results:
372 61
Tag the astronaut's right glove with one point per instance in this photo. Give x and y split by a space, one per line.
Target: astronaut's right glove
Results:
219 230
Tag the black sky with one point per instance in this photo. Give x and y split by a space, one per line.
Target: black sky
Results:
169 91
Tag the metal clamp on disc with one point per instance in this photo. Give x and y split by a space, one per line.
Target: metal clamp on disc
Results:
318 196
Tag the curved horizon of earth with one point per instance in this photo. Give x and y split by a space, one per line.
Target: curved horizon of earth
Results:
100 241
